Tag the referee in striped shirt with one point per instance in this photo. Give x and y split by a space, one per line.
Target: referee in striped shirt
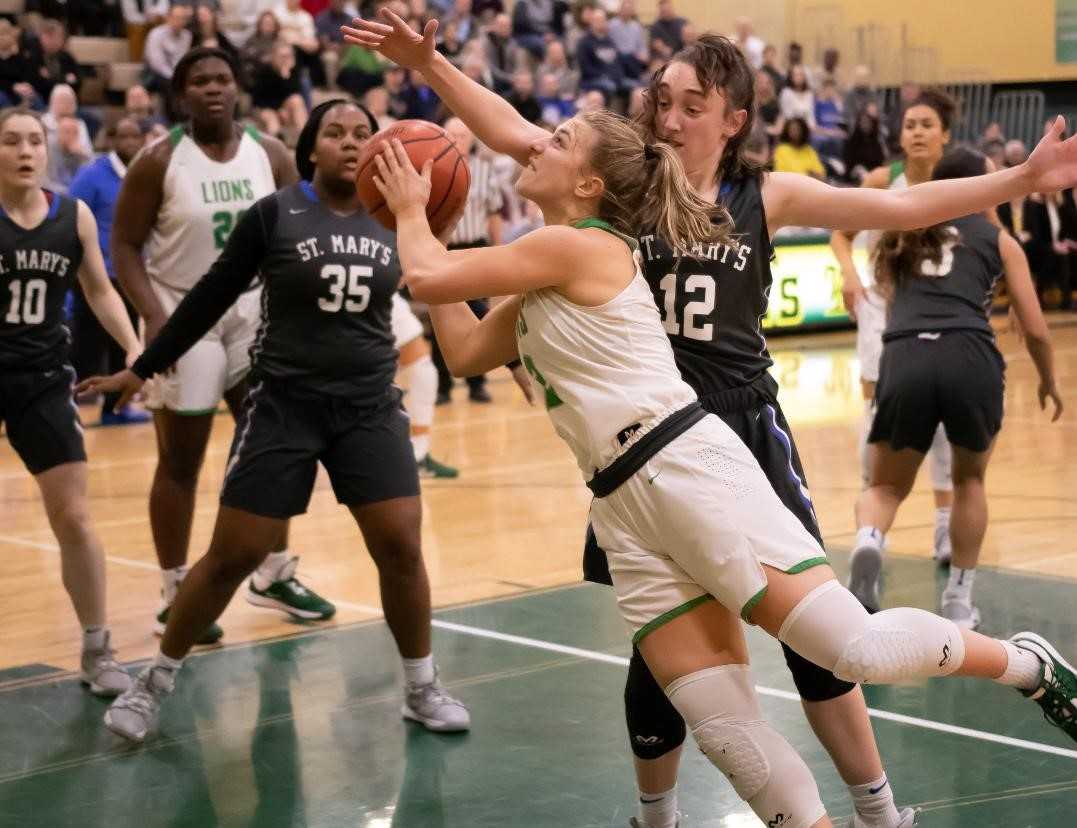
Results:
480 226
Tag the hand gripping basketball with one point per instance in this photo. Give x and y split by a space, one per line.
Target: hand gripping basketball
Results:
421 142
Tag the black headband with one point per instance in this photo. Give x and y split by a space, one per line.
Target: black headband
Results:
650 152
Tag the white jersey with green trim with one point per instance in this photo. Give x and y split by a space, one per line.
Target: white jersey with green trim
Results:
201 202
602 369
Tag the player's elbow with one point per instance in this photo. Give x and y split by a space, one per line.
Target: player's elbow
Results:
419 284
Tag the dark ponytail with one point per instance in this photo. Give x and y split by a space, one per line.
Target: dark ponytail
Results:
901 255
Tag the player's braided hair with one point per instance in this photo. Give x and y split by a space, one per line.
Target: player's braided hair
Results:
901 255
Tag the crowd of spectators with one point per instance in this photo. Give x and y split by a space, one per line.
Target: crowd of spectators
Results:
548 58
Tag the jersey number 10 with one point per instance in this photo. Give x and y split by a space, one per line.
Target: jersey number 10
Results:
31 303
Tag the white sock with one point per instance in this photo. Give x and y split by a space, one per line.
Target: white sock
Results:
658 810
166 663
869 536
942 517
419 670
1022 668
269 569
93 638
170 581
874 803
421 445
959 587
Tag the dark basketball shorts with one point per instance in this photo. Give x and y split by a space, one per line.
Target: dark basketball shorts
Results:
282 436
41 418
956 378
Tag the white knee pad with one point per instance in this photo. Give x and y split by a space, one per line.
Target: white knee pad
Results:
942 461
722 710
422 380
830 628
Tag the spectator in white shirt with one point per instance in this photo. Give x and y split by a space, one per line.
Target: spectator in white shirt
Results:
139 16
238 18
165 45
749 44
797 100
297 28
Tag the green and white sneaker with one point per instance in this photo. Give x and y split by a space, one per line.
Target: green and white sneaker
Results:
288 595
1056 693
431 468
212 635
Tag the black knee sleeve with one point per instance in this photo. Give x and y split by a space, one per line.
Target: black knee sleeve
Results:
813 682
654 725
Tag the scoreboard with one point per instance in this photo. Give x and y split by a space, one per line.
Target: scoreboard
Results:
806 293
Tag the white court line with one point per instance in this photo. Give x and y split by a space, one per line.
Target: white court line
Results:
606 658
51 547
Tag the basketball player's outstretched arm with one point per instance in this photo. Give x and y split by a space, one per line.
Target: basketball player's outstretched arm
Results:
1026 305
797 200
202 307
101 296
487 114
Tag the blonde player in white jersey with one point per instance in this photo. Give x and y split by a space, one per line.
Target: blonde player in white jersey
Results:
695 534
180 200
925 134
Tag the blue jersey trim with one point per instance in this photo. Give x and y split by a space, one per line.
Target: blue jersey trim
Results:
308 191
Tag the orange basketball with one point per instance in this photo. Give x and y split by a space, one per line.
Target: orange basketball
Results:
422 140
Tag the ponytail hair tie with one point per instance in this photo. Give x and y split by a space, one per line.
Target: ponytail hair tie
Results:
650 153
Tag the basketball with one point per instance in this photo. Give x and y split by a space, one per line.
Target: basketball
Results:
423 141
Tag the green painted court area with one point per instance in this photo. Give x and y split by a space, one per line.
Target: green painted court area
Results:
307 731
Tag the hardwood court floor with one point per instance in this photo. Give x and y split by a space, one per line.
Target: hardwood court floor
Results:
514 520
301 726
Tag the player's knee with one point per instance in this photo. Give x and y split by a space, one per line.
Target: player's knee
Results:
721 708
814 683
830 628
236 561
398 557
71 525
180 468
654 725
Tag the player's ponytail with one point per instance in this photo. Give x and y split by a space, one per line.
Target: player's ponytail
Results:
901 256
646 188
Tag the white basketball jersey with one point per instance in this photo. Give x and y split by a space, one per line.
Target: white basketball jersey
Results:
201 203
602 369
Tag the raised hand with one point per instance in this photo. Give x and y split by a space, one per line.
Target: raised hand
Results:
394 39
125 382
398 181
1052 166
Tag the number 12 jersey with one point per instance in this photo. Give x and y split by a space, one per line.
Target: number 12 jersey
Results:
713 297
